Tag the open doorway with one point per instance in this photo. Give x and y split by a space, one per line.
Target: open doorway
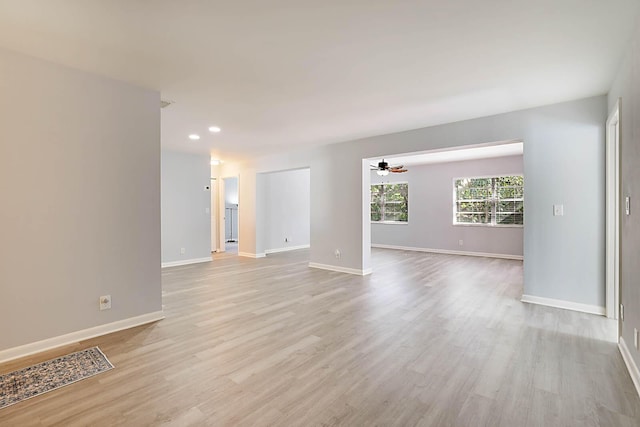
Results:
462 201
285 211
230 215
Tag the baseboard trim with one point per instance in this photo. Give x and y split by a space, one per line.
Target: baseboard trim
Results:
74 337
631 364
339 269
448 252
567 305
250 255
185 262
286 249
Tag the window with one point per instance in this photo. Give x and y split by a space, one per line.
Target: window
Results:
489 201
390 202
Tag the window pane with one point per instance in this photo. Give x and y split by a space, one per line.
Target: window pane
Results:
376 212
483 207
390 202
376 193
510 204
473 218
510 218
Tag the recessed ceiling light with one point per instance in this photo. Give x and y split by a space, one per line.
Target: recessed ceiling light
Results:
215 162
194 137
214 129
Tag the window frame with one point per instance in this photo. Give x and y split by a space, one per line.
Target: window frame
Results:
389 222
494 203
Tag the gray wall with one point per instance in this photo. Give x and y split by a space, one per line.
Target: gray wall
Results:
186 206
563 154
287 209
431 210
80 213
627 87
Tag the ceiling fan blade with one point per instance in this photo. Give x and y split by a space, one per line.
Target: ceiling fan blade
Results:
396 167
398 170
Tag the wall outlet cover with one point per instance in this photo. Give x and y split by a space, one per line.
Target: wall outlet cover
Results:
105 302
558 210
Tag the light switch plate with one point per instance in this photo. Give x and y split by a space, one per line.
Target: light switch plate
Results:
627 205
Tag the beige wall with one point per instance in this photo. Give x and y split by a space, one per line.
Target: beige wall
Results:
80 200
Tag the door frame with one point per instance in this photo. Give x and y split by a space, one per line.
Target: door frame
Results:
215 216
612 212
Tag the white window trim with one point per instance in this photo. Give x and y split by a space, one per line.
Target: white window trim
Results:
469 224
387 222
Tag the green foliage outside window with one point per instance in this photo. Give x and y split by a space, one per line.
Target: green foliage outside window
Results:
492 201
390 202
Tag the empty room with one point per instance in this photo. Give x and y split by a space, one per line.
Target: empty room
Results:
319 213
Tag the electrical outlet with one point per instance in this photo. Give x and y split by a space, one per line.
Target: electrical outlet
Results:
558 210
183 251
460 242
337 253
105 302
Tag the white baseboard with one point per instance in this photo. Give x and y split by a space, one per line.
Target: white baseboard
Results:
74 337
448 252
631 364
339 269
250 255
185 262
285 249
567 305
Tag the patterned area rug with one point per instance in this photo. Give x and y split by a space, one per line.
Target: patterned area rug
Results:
29 382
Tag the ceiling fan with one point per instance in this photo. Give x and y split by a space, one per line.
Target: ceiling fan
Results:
383 168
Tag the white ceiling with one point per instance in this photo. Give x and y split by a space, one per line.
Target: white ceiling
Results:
484 151
284 73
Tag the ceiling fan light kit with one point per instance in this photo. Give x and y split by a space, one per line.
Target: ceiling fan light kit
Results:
383 168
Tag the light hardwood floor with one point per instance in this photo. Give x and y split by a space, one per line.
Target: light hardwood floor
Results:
428 339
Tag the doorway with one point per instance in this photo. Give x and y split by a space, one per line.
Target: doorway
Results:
231 206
